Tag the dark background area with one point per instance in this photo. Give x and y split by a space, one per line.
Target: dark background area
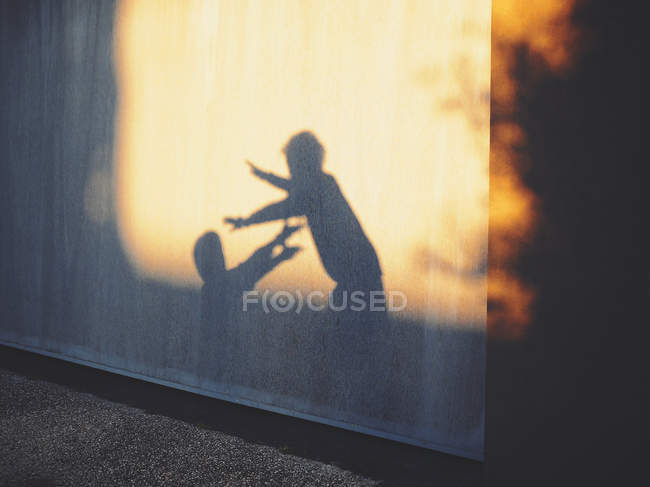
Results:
563 402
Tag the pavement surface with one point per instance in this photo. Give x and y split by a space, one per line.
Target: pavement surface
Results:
63 424
52 434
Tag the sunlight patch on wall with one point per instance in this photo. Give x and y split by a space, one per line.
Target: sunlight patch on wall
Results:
398 92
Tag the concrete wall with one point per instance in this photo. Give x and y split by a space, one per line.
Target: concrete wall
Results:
70 291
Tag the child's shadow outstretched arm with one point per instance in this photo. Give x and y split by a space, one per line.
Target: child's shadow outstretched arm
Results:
280 210
269 177
262 261
275 211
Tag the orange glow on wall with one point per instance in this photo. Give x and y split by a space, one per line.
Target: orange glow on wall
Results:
398 92
544 28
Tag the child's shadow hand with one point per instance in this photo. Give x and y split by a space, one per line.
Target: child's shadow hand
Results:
236 223
288 253
286 232
255 170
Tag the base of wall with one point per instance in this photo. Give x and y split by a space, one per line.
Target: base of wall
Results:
473 455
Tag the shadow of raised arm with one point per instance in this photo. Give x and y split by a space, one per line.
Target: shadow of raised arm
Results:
269 177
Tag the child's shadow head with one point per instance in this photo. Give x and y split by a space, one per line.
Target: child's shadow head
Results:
304 154
209 258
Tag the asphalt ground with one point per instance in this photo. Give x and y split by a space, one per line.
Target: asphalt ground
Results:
66 424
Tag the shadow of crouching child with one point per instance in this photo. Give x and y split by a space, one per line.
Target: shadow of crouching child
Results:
222 298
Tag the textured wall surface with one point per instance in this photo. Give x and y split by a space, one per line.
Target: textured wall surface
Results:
87 277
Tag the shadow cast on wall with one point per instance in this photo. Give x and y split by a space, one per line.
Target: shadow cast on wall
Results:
69 289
